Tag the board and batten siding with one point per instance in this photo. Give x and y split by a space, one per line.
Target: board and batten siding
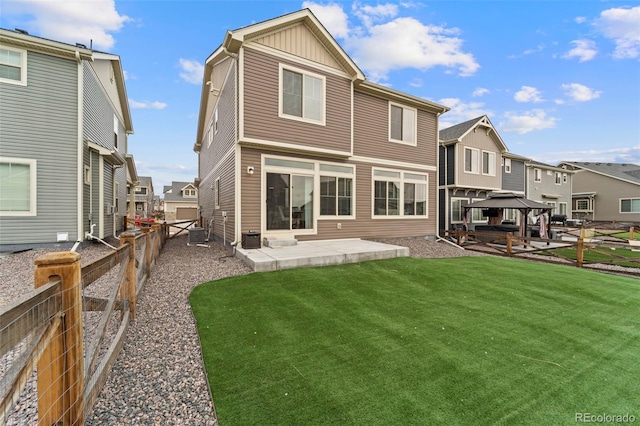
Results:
371 133
40 121
261 120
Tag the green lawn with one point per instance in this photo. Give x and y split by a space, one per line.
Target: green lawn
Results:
626 235
476 340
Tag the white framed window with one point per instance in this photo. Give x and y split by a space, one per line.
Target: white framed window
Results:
552 204
477 214
562 208
141 190
215 121
302 95
630 205
116 201
564 178
189 193
87 175
471 158
116 127
209 136
457 212
336 190
402 124
507 165
488 163
583 204
399 194
18 186
216 187
537 175
13 66
558 178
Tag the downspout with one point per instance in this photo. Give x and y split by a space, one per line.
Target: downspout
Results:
80 159
237 204
438 236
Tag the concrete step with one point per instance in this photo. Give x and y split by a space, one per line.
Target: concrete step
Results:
281 242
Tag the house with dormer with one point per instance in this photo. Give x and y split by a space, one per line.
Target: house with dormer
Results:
64 162
295 143
180 201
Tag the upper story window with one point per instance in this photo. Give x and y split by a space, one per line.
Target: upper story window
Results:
116 127
141 190
488 163
507 165
189 192
215 121
17 187
402 124
558 178
537 175
13 66
564 178
471 160
302 95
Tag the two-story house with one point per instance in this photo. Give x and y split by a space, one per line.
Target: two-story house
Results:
550 185
144 197
293 141
605 191
180 201
65 121
471 166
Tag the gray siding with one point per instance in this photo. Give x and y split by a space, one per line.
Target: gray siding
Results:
608 191
514 181
261 121
40 121
547 191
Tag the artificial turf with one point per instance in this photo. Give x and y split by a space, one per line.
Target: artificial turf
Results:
474 340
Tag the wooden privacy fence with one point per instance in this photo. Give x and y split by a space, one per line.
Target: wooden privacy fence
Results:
603 251
46 332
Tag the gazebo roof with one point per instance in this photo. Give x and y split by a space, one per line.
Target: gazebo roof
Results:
507 201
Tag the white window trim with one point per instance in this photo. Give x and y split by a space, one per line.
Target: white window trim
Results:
538 172
23 67
588 209
87 175
401 181
322 122
414 142
352 176
507 165
560 209
627 198
464 159
558 178
482 219
216 186
33 192
464 200
492 170
565 178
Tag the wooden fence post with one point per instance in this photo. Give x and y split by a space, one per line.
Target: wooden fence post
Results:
580 252
147 250
631 233
509 243
459 236
61 367
128 289
157 244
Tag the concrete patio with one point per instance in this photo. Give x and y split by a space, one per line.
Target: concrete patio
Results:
318 253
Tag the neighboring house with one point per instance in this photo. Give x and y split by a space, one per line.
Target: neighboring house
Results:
180 201
605 191
550 185
64 122
471 158
144 197
293 142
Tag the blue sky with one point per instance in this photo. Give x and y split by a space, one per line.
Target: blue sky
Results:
560 80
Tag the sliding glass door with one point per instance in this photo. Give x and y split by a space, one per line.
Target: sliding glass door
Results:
289 201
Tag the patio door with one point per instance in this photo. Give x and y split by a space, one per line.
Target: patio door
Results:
289 202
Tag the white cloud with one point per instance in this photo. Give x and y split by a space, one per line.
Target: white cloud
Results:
621 25
528 94
461 111
408 43
480 91
529 121
192 71
612 155
580 93
73 22
370 14
147 104
580 20
332 16
584 50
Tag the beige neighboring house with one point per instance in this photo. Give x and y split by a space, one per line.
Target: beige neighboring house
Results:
605 191
293 142
180 201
